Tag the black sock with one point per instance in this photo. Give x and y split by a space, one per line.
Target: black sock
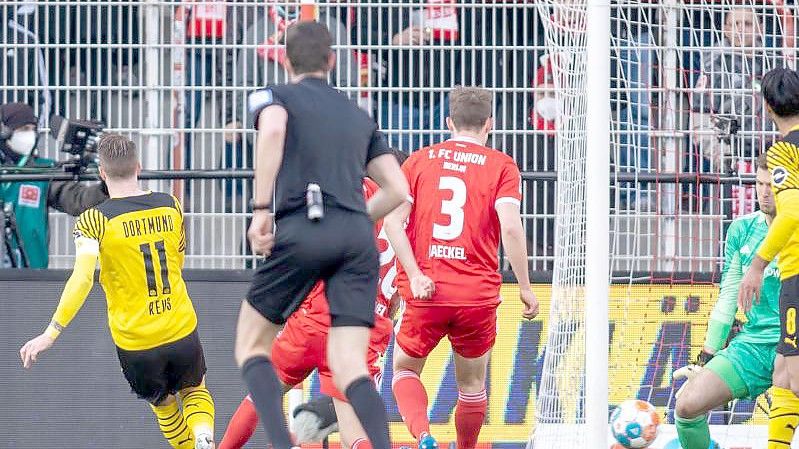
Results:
371 411
267 395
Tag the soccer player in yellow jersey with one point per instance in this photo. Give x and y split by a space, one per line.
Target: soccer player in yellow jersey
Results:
140 241
780 89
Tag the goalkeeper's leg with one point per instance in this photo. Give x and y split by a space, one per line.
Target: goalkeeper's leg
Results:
784 414
713 386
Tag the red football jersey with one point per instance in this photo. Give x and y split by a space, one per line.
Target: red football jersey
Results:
453 227
314 309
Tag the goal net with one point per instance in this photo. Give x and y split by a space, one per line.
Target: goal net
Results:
686 127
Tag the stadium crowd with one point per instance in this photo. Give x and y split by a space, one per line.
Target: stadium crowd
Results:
399 61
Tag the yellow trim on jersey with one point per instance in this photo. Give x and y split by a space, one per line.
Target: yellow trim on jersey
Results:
77 287
140 243
783 226
782 238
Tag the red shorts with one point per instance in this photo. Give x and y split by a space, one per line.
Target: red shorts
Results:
302 347
471 330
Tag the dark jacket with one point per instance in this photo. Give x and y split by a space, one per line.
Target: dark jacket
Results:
444 65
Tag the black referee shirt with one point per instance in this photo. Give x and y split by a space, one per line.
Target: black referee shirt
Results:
329 141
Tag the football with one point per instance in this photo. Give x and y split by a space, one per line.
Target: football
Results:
634 423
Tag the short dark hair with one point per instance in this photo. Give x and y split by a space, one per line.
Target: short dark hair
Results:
780 89
470 107
118 156
308 47
762 161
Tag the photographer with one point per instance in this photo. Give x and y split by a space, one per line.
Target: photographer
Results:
25 203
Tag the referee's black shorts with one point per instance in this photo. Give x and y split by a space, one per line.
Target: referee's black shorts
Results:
338 249
789 307
154 374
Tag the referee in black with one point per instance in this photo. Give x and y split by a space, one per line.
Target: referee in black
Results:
314 148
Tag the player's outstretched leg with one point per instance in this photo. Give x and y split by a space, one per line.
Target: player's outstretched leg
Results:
411 397
254 337
198 411
470 412
712 387
783 417
241 427
350 374
172 424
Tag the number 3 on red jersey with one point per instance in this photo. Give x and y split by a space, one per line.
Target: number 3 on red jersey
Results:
452 207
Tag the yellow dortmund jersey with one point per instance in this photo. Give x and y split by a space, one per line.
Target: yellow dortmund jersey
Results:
783 163
142 243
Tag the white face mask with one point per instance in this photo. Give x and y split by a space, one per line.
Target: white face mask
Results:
22 142
548 108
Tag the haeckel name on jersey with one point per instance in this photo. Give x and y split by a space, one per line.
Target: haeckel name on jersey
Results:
447 252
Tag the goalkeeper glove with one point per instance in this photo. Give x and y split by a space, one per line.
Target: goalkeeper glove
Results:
315 420
688 372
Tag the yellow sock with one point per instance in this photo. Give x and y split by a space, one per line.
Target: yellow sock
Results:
198 409
783 418
173 426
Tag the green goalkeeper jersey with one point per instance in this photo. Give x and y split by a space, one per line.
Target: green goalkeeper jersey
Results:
744 236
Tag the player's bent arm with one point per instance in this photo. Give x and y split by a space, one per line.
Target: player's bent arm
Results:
782 227
272 122
386 172
723 313
514 242
77 287
394 224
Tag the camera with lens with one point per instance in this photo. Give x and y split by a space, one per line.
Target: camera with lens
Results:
78 138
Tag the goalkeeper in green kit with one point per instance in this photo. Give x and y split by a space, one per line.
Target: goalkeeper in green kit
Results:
744 368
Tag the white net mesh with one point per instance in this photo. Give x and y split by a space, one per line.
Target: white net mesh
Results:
561 392
687 125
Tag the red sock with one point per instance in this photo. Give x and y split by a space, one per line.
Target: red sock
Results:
361 443
411 401
470 413
241 427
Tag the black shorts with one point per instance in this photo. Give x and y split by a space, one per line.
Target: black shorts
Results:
338 249
789 306
154 374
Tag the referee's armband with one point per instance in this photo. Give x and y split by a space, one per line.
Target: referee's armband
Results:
258 100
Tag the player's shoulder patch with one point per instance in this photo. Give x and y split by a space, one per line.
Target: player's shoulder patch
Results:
779 175
260 99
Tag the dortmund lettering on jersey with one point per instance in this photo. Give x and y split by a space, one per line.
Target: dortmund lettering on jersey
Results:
743 239
142 243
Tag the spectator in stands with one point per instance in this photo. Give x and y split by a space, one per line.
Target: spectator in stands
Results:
28 201
724 100
23 71
261 58
633 69
423 57
209 26
725 89
543 118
